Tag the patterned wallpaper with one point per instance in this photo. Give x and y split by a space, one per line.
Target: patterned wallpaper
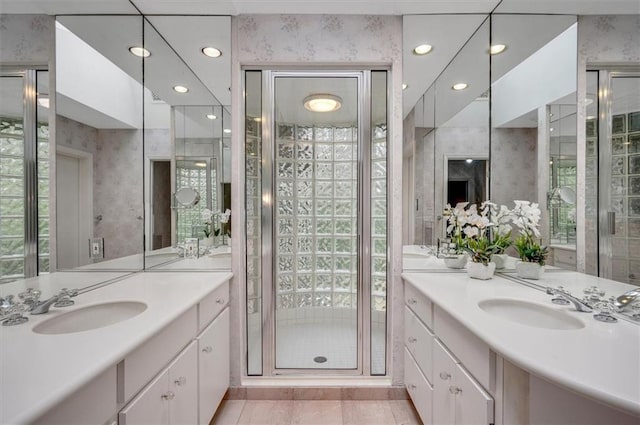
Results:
26 39
514 153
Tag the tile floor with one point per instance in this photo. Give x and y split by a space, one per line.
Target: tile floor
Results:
312 412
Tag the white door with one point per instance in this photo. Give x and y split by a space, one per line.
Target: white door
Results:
68 214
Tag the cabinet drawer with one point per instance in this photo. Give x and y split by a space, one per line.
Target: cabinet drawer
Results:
419 389
467 347
420 304
212 305
419 341
141 365
474 404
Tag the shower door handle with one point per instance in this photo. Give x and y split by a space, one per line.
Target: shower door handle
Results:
611 220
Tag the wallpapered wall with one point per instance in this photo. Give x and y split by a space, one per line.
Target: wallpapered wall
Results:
313 40
602 41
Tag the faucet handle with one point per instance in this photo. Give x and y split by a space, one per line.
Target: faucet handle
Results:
30 296
11 313
64 297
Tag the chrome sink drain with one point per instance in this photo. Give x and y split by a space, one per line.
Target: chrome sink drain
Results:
320 359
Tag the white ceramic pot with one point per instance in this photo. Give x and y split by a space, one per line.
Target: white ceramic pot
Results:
458 262
527 270
480 271
500 260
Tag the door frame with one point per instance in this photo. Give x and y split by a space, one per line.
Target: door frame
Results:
85 196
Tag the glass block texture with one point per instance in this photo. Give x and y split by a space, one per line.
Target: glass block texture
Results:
316 216
12 194
189 222
625 194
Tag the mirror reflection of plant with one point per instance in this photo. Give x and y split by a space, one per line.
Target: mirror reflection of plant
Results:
479 245
526 216
224 222
209 221
500 217
457 219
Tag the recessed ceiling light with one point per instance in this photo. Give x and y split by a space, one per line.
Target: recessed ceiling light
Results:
469 160
211 116
200 164
257 119
227 130
141 52
212 52
460 86
404 86
591 117
551 129
496 49
322 102
180 89
551 162
422 49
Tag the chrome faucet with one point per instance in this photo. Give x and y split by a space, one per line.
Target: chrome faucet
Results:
625 300
568 298
61 299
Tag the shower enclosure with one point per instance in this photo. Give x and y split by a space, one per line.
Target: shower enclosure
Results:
316 222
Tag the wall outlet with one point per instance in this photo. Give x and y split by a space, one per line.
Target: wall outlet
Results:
96 248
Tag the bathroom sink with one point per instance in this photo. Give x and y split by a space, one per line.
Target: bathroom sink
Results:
90 317
530 314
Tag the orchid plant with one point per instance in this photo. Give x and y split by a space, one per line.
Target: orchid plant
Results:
500 218
224 219
457 219
526 216
479 244
208 219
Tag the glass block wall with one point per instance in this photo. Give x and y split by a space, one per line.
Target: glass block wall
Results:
12 225
315 216
189 223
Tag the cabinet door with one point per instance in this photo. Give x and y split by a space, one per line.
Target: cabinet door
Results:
444 369
474 406
418 388
183 383
151 406
213 361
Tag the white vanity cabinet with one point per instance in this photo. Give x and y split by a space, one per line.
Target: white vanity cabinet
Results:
439 384
171 398
213 364
457 397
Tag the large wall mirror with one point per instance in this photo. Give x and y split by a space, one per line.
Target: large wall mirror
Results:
142 127
496 125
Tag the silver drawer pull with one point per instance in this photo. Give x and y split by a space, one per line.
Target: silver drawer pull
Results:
181 381
444 376
207 349
168 396
411 339
411 301
454 390
220 301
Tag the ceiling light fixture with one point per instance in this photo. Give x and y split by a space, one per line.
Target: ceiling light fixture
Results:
591 117
551 129
257 119
200 164
469 160
212 52
140 52
227 130
180 89
404 86
496 49
211 116
322 102
422 49
460 86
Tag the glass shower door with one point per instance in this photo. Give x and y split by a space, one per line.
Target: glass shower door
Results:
316 224
620 200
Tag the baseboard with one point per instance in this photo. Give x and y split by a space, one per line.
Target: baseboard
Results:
316 393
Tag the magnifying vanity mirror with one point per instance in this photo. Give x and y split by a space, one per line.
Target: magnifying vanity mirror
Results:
509 112
146 143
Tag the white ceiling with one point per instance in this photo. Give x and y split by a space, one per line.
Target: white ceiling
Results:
377 7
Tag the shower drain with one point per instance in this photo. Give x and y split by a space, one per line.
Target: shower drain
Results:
320 359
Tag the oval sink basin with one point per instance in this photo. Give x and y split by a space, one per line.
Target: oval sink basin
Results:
90 317
530 314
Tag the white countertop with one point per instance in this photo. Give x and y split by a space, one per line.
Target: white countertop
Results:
600 361
39 371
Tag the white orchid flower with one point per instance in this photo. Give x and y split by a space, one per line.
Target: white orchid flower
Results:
225 216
